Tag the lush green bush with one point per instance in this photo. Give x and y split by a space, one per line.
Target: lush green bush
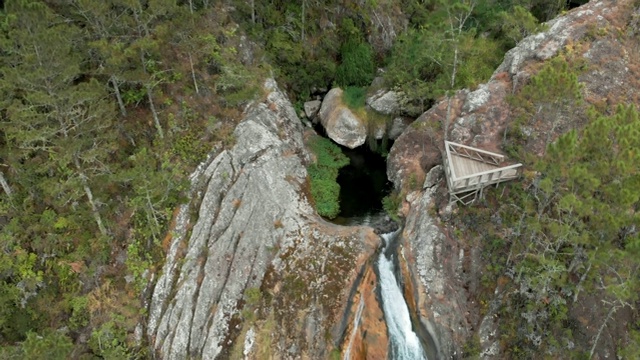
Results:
50 345
354 97
323 174
391 203
357 67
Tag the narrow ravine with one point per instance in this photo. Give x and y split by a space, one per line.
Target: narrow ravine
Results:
404 343
363 184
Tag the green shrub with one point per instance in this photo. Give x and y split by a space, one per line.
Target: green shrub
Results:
79 312
357 67
354 97
391 203
323 174
49 345
109 341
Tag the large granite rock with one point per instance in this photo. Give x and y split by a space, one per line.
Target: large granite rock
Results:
254 228
398 125
340 123
311 108
385 102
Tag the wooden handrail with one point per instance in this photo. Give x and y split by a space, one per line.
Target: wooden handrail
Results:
486 172
449 143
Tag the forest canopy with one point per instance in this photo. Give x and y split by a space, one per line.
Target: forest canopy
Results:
107 105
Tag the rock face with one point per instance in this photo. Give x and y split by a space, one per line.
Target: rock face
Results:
434 266
366 336
311 108
257 273
341 124
385 102
398 125
478 118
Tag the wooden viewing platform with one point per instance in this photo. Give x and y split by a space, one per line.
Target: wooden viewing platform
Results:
470 170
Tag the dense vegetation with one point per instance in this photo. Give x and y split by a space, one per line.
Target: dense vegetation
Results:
323 174
106 106
568 233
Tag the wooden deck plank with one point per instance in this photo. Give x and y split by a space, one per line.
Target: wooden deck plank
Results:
468 174
463 166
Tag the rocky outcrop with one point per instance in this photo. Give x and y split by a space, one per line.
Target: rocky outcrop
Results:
479 117
311 108
341 124
435 258
398 125
434 265
366 336
252 271
384 101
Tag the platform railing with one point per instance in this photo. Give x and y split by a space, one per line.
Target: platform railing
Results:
473 153
484 178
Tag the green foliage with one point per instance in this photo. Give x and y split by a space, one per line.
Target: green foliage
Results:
551 96
357 67
391 203
325 192
335 354
79 313
189 148
138 263
576 223
421 62
354 97
323 174
632 349
253 296
518 23
52 345
109 341
472 348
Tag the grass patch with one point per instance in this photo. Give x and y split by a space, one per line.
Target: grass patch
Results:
354 97
323 174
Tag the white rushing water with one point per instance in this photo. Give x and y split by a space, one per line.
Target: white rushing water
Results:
405 344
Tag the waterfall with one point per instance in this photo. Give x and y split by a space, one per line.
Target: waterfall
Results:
405 344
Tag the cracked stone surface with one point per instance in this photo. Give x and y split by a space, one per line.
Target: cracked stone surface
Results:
253 220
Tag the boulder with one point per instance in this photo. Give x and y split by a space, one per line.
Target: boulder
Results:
398 125
311 108
341 124
384 101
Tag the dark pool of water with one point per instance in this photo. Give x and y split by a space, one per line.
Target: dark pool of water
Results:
363 183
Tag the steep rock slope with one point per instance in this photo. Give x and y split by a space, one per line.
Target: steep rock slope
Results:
252 270
442 275
479 117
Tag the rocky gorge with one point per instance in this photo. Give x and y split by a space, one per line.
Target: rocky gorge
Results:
256 233
253 272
